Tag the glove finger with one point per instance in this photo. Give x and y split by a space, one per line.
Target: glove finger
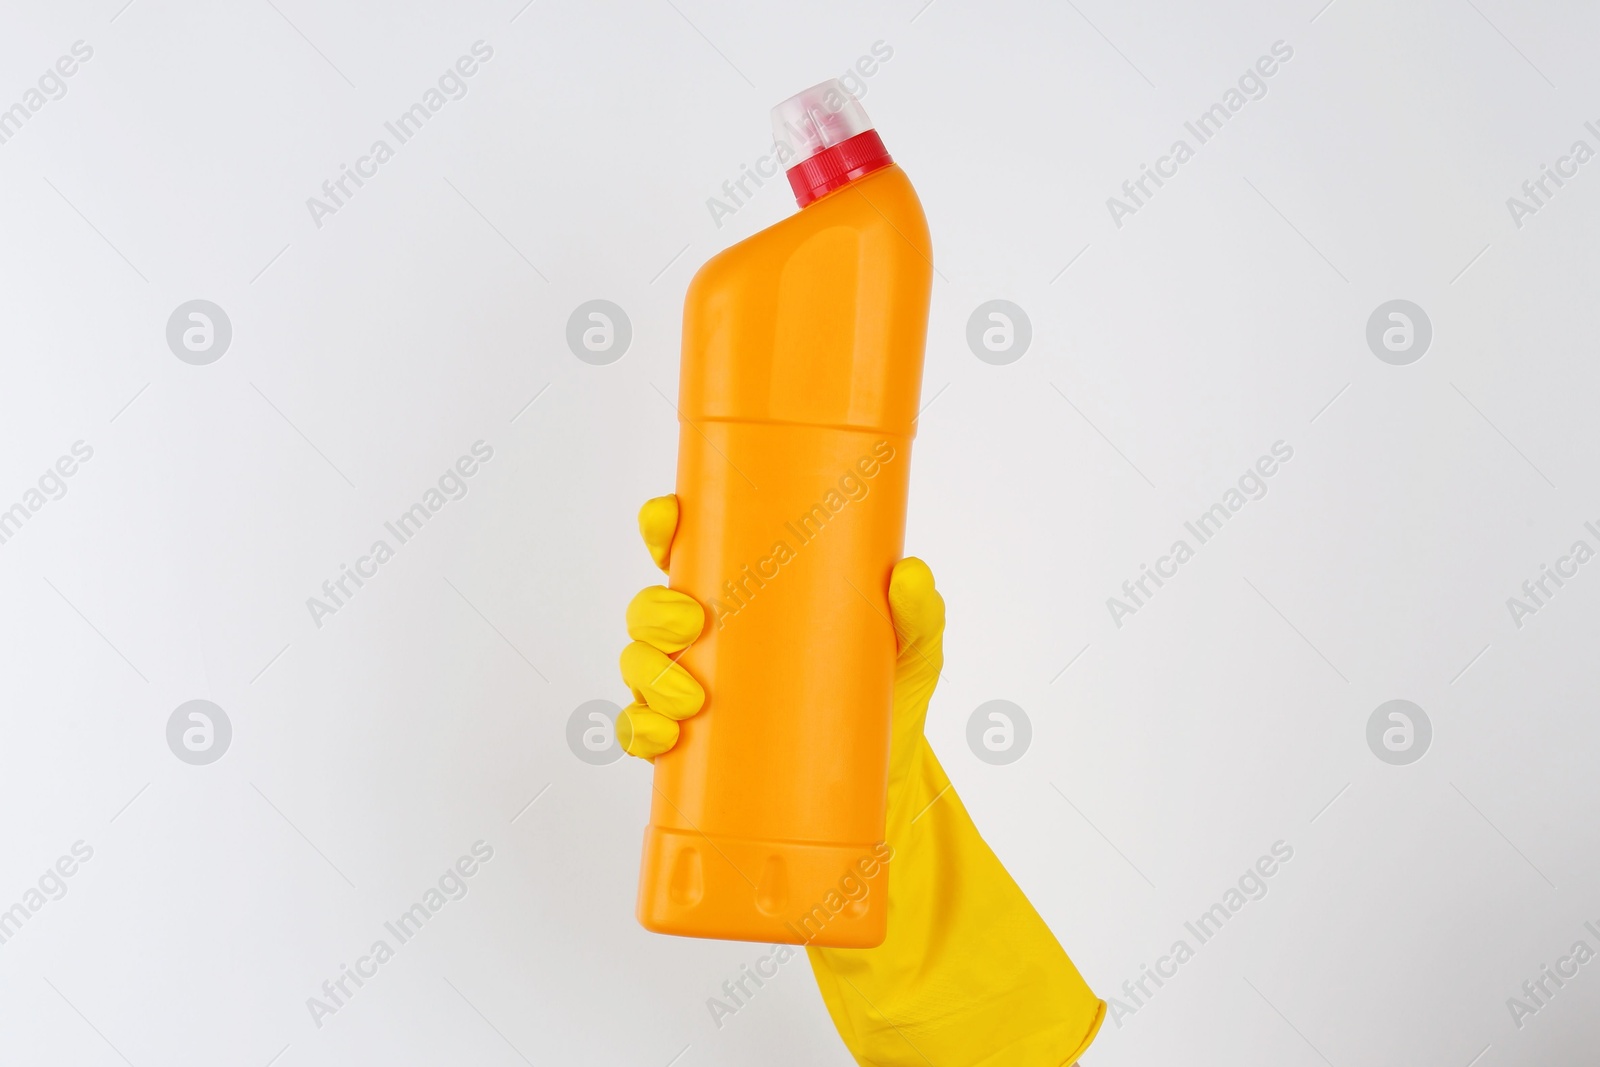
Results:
645 733
661 683
658 521
915 605
665 618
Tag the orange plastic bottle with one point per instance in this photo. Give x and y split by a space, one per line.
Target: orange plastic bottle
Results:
801 373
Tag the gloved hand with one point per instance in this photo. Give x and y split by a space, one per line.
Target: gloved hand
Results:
969 975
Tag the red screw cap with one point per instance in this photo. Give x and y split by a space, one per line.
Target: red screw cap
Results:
831 138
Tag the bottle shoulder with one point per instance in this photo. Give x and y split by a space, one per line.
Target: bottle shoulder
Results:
880 210
819 320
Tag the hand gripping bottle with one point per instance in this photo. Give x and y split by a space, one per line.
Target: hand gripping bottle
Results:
802 368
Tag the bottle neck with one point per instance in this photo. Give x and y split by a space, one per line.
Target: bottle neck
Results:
834 168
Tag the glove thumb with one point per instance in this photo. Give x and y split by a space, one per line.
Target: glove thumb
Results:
918 613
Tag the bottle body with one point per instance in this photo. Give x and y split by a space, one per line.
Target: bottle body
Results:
801 373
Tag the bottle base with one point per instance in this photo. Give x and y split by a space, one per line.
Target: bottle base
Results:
781 892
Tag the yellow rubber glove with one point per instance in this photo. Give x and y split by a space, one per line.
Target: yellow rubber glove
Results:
969 975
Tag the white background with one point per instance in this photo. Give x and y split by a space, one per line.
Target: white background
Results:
368 354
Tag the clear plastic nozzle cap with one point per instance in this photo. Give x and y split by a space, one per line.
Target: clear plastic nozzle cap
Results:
817 119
